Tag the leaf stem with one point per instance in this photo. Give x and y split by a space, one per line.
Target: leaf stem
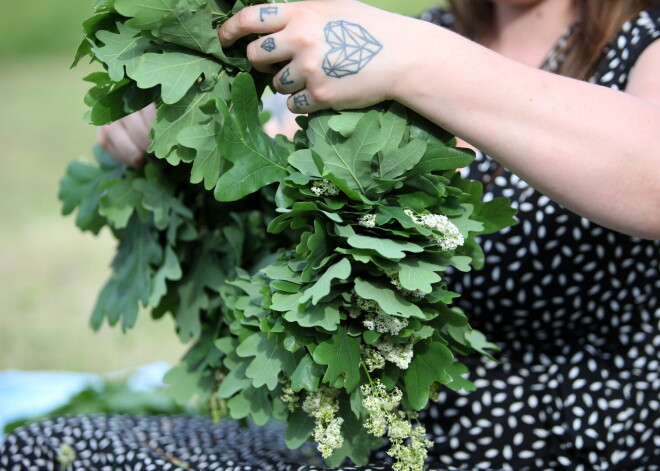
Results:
371 383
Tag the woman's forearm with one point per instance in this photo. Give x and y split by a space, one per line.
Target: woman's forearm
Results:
590 148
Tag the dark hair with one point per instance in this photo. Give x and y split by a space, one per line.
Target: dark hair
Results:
598 22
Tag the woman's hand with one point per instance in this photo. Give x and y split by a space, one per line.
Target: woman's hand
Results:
336 53
127 139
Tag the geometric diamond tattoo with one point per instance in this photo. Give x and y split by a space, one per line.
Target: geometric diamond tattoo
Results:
268 44
351 48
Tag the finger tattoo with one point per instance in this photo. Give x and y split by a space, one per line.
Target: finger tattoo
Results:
351 48
269 45
267 11
285 78
300 101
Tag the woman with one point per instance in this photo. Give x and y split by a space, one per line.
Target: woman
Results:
571 292
568 294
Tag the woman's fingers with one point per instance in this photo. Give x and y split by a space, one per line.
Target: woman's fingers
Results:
148 114
137 131
286 81
267 51
260 19
303 102
127 139
115 139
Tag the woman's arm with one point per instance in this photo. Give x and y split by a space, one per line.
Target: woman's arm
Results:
592 149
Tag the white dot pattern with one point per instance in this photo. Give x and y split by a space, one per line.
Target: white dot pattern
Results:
574 306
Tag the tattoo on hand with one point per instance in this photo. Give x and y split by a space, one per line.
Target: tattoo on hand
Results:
267 11
268 45
351 48
285 77
300 100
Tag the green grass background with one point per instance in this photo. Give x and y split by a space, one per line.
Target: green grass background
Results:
50 273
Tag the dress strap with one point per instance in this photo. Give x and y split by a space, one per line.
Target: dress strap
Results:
622 52
557 54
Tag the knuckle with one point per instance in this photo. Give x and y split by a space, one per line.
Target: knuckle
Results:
251 51
321 95
308 69
224 32
305 41
244 18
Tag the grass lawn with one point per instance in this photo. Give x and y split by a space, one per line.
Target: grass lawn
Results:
50 273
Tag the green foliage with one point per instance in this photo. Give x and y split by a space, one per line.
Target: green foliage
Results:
268 360
257 159
388 300
431 361
342 355
290 267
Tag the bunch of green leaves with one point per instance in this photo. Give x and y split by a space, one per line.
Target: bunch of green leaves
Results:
294 324
177 241
274 257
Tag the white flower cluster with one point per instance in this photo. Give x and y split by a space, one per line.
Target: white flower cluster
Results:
383 419
372 358
399 354
322 405
384 323
329 436
288 396
376 319
410 457
393 275
449 238
324 188
368 220
380 404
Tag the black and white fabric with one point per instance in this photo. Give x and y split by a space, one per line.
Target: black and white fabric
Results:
574 306
164 443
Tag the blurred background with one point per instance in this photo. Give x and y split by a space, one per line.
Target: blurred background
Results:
50 273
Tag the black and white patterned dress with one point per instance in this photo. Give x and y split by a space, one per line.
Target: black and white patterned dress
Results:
576 310
574 306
